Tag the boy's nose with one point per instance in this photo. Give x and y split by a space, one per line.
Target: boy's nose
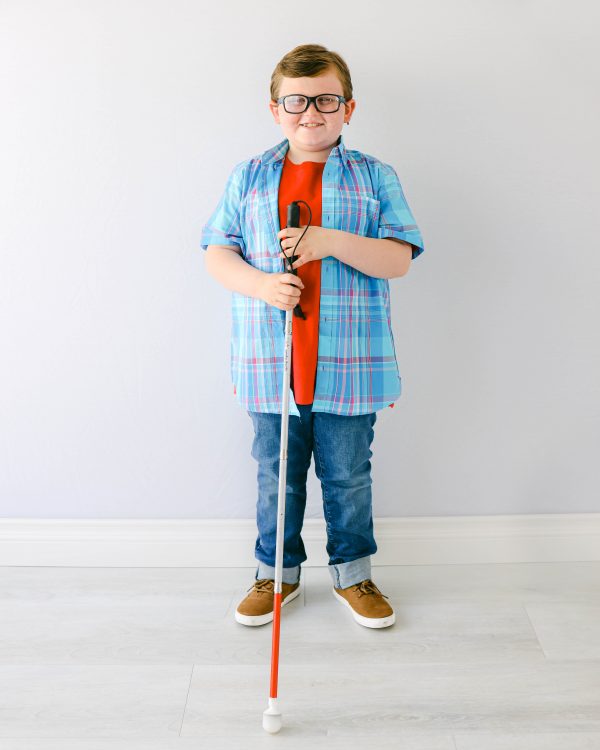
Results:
314 106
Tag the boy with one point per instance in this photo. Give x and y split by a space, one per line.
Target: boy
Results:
343 366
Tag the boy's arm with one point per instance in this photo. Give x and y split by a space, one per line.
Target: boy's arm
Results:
371 255
226 265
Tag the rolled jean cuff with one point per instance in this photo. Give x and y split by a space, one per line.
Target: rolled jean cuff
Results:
289 575
348 573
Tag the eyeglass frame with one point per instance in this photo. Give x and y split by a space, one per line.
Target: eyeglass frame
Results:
341 100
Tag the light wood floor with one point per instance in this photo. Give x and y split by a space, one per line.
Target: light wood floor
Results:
481 657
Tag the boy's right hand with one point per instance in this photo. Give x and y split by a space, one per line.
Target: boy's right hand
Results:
281 290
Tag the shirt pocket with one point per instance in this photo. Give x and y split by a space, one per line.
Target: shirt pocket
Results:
358 214
252 217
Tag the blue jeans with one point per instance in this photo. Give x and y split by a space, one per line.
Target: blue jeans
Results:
341 447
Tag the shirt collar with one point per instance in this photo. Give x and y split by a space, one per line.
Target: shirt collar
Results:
278 152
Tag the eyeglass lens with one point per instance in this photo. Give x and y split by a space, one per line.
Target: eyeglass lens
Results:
295 103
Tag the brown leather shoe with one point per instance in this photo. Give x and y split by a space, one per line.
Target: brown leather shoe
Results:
257 607
366 602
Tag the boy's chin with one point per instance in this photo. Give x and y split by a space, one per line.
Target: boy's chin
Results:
319 133
322 139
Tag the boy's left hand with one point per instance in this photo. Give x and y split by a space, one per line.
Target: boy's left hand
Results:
316 244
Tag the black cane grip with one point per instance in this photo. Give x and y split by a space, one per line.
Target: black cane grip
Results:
293 220
293 214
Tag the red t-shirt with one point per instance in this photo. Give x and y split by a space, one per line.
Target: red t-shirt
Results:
303 182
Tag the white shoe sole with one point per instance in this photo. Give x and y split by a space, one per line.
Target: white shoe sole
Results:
253 620
368 622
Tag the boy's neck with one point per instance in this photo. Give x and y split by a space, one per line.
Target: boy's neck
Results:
297 156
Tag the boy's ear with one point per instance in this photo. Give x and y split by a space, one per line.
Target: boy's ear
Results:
350 106
274 107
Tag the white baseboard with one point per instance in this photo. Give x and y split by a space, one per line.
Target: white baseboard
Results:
225 543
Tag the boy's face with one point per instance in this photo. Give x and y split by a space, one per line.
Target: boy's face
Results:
314 143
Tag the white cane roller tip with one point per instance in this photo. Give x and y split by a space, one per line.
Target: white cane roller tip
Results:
272 717
271 723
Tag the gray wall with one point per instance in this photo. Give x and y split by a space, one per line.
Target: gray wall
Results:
120 123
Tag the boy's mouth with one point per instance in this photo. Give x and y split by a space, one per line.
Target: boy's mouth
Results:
310 125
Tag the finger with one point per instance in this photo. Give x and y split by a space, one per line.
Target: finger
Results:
293 279
287 299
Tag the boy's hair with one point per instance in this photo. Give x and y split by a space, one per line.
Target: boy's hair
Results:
309 60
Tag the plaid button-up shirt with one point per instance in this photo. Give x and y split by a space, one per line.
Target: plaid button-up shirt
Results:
357 371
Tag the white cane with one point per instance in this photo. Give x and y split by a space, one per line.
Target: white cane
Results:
272 715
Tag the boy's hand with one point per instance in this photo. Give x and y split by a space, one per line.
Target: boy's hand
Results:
281 290
315 245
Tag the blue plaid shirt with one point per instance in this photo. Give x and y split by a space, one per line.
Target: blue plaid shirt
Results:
357 371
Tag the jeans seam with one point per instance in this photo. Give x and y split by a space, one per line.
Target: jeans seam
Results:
317 452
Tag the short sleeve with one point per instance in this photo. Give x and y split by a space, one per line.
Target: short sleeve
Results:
395 217
223 227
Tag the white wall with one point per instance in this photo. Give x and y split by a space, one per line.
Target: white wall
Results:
120 123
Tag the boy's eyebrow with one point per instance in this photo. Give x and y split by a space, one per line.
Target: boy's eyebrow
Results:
330 93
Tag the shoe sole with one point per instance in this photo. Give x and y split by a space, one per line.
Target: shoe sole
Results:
368 622
253 620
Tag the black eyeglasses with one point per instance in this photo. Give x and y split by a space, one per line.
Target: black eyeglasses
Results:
295 104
